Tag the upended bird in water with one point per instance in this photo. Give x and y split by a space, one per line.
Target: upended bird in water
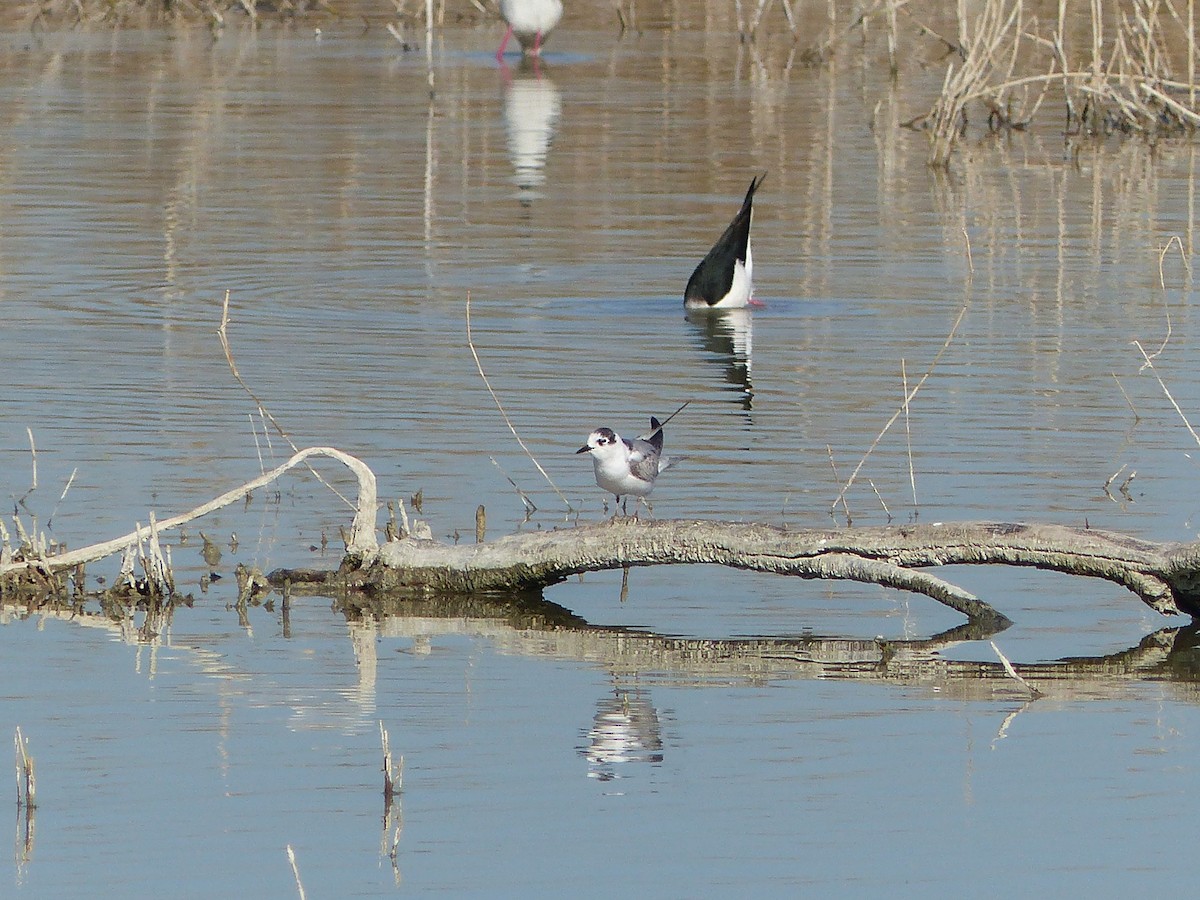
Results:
627 468
725 277
531 21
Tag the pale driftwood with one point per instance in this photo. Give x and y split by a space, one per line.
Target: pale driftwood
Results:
1163 576
361 541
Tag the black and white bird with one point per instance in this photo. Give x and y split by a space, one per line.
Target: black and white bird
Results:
725 277
531 21
627 468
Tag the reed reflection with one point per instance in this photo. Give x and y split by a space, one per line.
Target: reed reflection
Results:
532 110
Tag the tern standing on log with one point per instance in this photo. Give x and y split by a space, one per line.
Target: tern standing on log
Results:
627 468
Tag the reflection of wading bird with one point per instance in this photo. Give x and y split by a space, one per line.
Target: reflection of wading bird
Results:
531 21
724 278
727 335
532 109
627 468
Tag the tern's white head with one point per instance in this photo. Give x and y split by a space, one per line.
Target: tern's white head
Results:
604 443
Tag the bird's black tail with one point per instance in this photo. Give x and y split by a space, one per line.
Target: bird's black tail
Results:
656 434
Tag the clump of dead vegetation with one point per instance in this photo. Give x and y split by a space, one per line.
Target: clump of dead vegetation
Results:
1114 66
145 13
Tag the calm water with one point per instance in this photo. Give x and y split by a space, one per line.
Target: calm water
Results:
349 218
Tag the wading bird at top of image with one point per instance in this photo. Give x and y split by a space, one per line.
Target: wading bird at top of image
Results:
531 21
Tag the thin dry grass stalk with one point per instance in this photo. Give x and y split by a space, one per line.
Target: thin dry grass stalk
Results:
1150 357
393 776
26 773
1013 673
902 410
507 420
291 855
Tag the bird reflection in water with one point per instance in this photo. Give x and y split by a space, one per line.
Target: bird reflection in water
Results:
728 335
532 108
625 729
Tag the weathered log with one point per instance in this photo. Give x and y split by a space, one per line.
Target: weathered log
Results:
1164 576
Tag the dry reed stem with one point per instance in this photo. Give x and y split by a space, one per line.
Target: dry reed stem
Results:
393 779
33 456
500 406
26 773
912 475
429 44
1125 86
291 855
878 496
223 334
530 506
1150 357
62 496
837 478
1150 365
1013 673
1136 416
900 411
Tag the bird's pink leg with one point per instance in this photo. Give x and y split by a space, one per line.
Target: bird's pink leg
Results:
537 44
503 44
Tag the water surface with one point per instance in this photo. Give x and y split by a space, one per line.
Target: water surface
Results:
349 216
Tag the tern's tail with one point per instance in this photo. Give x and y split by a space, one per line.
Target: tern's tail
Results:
666 462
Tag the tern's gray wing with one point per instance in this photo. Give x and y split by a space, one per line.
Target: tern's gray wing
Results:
643 459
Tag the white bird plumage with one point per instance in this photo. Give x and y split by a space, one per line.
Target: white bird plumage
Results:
530 21
627 468
724 279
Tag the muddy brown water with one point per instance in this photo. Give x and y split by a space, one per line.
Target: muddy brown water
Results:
143 175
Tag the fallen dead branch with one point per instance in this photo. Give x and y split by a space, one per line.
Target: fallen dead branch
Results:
360 543
1164 576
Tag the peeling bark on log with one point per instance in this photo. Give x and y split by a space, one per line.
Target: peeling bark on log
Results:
1164 576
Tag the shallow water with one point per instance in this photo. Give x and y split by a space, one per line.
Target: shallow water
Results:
349 218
